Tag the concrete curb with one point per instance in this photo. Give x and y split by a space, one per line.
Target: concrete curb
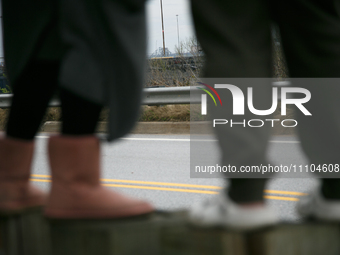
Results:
140 128
162 128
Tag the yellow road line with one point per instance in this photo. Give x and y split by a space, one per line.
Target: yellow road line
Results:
161 188
177 190
39 180
281 198
294 193
150 183
164 184
183 185
145 187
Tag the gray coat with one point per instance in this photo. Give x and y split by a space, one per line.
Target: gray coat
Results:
100 43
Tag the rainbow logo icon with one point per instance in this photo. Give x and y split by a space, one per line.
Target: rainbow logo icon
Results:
204 97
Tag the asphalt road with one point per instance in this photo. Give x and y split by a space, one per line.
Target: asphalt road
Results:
156 168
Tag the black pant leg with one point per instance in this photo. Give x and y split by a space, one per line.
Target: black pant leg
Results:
80 116
32 93
236 39
311 42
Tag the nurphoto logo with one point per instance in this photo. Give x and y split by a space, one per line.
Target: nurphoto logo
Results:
239 104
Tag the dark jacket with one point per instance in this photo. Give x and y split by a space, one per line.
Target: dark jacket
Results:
100 43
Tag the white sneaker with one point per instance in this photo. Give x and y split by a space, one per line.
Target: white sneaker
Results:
222 212
316 206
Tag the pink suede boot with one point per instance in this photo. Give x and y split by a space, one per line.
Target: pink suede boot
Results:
76 190
16 193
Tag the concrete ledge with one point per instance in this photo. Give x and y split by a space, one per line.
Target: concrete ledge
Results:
163 128
308 238
161 233
24 234
140 128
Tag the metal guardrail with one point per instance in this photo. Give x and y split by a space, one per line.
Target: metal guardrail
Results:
170 95
5 100
152 96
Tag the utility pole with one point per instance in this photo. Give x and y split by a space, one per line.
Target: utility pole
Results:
162 28
177 30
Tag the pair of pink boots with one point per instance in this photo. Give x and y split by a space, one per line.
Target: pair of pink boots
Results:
76 191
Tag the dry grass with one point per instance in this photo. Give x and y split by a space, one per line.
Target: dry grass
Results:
165 113
3 117
52 114
148 113
170 74
280 69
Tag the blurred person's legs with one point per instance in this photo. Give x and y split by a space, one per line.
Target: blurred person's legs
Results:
33 81
75 164
311 46
320 140
32 92
236 39
74 155
101 65
100 61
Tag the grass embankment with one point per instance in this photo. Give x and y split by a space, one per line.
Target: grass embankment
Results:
173 113
149 113
3 117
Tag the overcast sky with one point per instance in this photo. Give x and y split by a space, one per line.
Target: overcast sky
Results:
170 9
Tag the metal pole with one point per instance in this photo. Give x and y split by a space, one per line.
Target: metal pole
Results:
177 30
162 28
